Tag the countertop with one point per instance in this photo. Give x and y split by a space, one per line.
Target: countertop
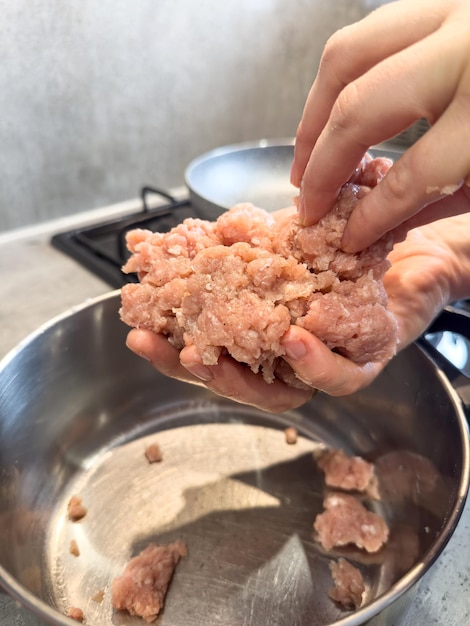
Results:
39 282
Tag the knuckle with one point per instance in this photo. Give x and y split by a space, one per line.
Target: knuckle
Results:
330 383
333 51
363 222
396 183
347 108
322 380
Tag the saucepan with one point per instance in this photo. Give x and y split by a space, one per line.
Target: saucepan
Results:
255 171
77 411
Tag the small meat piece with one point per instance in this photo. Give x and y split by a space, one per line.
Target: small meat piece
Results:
349 584
142 587
291 435
153 453
351 473
98 596
73 548
346 521
75 509
236 285
76 614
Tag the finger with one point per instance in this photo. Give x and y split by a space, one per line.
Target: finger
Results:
456 204
350 53
227 378
237 382
402 90
319 367
160 353
433 168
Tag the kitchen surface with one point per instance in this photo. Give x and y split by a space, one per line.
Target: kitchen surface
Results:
42 282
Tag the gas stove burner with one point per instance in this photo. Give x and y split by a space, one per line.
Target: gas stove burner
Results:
102 248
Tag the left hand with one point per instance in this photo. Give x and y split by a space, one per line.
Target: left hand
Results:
418 285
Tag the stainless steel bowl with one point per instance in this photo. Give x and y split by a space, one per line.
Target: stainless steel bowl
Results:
77 409
255 171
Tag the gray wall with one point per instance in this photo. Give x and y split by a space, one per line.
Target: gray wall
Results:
99 97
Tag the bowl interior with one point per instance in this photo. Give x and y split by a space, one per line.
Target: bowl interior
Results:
76 414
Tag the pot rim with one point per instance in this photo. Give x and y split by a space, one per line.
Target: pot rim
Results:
31 602
239 147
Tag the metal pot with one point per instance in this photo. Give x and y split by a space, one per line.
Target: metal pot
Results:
255 171
77 410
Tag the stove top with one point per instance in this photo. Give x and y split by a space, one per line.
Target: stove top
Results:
102 248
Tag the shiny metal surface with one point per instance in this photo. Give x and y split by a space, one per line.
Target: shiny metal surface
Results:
76 412
257 172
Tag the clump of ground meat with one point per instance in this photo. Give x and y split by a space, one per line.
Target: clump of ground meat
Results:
236 285
153 453
291 435
349 584
73 548
76 614
142 587
75 509
98 596
346 521
351 473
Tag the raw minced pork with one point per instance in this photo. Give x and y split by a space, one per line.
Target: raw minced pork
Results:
75 509
346 521
350 473
349 584
142 587
236 285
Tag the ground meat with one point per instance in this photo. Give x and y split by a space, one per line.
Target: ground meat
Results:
291 435
236 285
142 587
73 548
351 473
349 584
346 521
98 596
75 509
153 453
76 614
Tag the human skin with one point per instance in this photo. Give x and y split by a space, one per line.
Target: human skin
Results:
405 61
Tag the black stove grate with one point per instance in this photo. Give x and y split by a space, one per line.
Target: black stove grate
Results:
102 248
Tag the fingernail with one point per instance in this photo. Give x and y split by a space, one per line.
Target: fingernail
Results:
200 371
295 349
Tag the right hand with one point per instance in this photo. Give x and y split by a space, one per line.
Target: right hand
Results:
404 61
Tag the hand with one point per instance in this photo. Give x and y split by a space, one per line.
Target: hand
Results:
427 272
228 378
403 62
